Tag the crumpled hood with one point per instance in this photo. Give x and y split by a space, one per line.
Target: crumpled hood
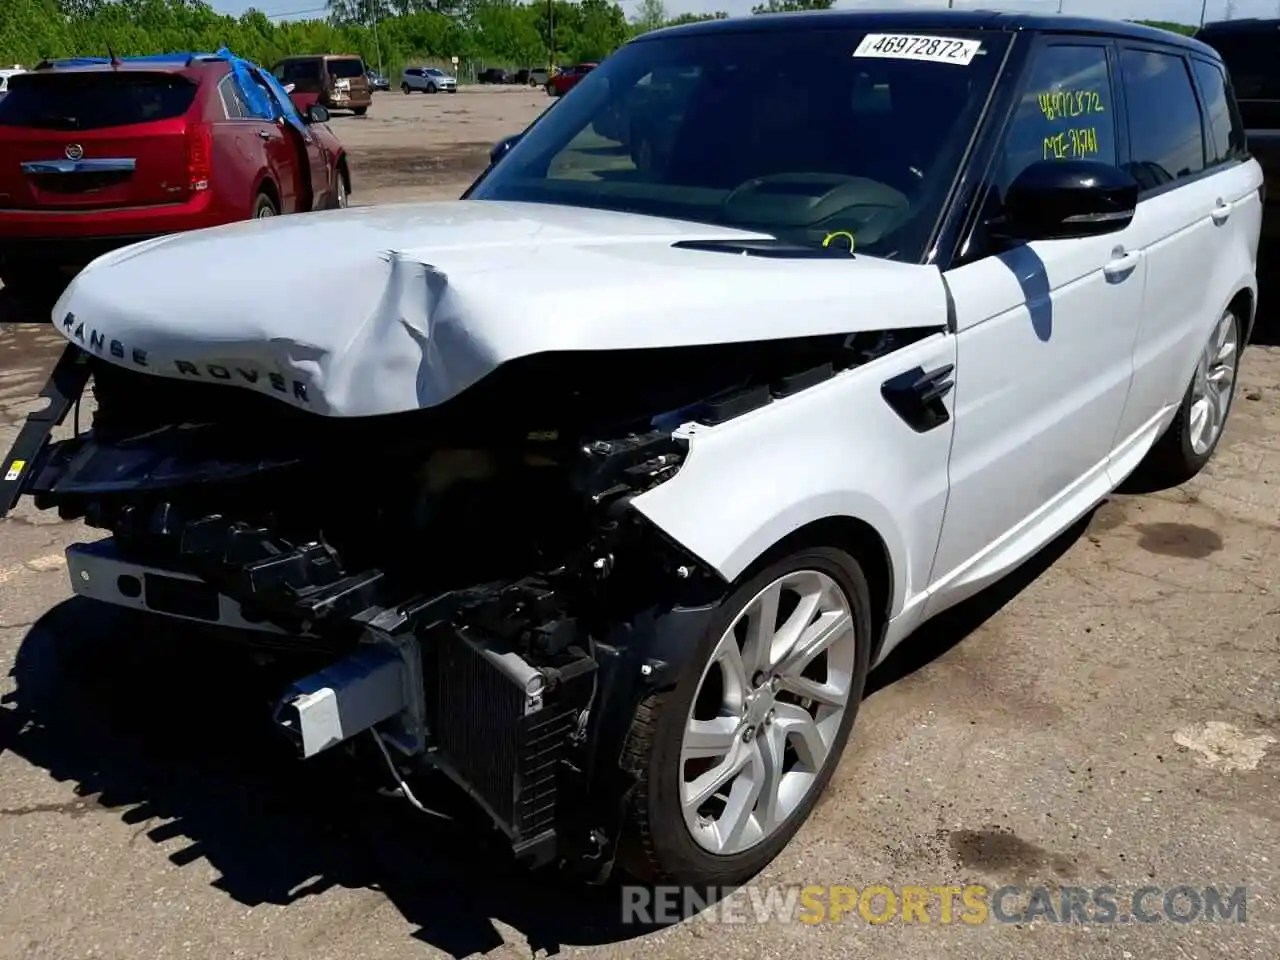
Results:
376 310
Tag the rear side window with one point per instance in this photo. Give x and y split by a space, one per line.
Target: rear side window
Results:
1226 135
233 100
1166 141
94 100
346 67
1066 112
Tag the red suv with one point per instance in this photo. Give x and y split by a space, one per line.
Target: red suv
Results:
567 78
97 154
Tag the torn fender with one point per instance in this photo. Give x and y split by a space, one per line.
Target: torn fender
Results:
378 310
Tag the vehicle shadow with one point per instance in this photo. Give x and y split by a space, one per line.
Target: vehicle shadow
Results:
167 734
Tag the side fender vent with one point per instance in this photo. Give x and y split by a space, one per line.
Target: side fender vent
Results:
917 397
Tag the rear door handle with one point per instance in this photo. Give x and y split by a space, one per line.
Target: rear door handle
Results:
1221 212
1120 265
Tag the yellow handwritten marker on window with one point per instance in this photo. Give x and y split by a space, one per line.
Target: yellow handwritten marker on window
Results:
826 242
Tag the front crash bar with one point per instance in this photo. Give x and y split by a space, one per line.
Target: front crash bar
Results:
62 390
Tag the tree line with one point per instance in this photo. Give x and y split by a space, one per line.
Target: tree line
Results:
393 33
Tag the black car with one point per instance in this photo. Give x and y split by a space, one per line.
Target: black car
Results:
493 75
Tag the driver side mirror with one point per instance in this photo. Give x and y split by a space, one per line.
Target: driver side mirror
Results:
316 113
289 87
503 147
1062 199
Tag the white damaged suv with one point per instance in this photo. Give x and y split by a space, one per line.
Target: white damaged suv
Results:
604 487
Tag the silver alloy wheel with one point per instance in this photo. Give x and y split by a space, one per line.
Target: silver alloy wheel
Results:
765 714
342 192
265 211
1212 386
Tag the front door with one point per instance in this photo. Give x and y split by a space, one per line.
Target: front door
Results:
1045 334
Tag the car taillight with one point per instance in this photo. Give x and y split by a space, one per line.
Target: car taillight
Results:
199 158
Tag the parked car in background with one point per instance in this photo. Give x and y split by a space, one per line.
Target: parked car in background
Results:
335 81
493 75
566 78
1249 47
95 156
377 81
427 80
538 76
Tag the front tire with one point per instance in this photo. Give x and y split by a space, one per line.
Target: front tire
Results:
1193 436
405 88
732 760
360 111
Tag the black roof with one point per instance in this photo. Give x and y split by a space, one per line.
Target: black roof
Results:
1241 25
915 20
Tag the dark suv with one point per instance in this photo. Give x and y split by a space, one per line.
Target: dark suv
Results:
1247 48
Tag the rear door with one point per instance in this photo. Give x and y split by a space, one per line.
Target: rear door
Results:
1183 226
309 156
239 144
93 140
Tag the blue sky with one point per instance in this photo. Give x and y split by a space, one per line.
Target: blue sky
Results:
1182 11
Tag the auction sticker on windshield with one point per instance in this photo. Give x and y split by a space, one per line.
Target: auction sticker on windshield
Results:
895 46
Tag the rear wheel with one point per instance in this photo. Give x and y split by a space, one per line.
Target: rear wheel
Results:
405 88
359 111
1193 436
340 192
264 207
733 759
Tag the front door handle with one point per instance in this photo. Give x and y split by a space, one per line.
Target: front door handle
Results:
266 134
1120 265
1221 212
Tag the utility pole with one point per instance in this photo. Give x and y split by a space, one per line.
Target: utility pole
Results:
551 35
373 11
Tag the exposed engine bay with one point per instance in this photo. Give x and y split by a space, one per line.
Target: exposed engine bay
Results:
492 604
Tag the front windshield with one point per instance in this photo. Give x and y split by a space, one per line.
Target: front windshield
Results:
783 132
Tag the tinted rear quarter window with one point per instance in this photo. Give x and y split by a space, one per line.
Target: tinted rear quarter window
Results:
94 100
1166 140
1226 139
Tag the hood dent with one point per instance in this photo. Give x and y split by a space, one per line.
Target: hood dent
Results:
400 310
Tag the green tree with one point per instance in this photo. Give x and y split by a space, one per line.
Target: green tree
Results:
791 6
650 15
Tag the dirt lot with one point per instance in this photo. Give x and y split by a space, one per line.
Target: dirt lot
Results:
425 147
1109 717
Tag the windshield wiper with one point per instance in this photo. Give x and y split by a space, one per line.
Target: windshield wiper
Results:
766 247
